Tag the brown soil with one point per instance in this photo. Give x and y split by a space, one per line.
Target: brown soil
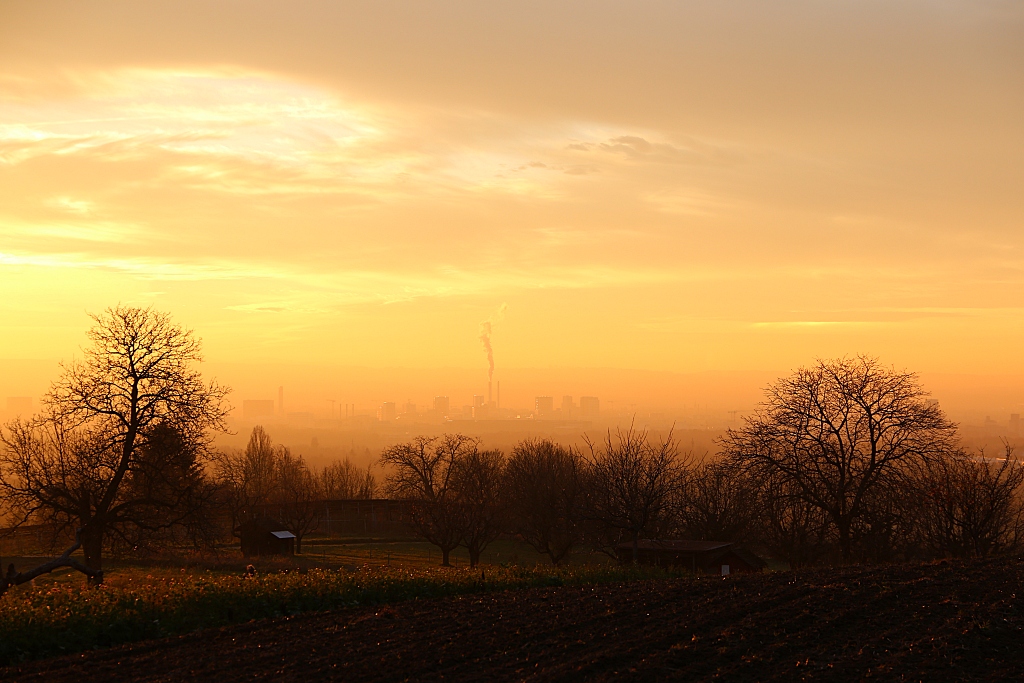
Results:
926 622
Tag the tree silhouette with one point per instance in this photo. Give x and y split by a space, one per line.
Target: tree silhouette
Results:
631 484
423 472
834 432
79 459
544 483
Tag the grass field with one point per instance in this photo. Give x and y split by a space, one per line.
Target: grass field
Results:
939 621
322 551
59 613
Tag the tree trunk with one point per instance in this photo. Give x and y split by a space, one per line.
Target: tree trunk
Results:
298 544
474 557
636 546
845 543
444 557
92 546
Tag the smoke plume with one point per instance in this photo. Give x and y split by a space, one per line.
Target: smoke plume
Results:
485 337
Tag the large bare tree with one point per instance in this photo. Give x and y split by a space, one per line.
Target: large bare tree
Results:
835 431
544 483
479 476
423 472
632 481
82 455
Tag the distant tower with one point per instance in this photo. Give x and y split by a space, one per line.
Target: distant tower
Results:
387 412
442 405
544 405
489 396
280 400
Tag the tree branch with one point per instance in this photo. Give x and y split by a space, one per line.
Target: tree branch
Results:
13 578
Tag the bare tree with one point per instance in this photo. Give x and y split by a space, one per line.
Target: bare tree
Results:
973 507
250 479
545 492
787 525
718 503
297 496
889 530
265 481
631 483
478 483
368 488
136 375
836 430
341 480
423 472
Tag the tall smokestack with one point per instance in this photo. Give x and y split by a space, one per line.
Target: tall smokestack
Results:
280 400
485 337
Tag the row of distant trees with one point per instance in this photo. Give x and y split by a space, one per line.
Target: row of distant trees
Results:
267 482
845 461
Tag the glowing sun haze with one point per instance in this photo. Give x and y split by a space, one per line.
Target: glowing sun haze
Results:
681 186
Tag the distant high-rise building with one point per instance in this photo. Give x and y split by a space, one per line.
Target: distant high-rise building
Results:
280 400
257 410
544 406
409 408
567 407
478 400
441 405
387 412
590 407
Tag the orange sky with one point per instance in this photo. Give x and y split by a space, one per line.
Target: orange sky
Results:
662 186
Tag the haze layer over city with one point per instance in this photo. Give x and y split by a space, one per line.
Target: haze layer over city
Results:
662 206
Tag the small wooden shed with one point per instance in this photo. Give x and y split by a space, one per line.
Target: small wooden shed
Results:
706 557
266 537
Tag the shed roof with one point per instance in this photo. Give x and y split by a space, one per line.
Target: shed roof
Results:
282 534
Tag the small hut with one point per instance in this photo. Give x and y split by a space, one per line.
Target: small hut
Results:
264 537
706 557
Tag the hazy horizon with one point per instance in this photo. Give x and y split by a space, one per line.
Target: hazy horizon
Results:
708 398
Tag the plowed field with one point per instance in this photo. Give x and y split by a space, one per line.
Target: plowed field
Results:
924 622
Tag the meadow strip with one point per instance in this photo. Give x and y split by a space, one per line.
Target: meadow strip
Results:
62 619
